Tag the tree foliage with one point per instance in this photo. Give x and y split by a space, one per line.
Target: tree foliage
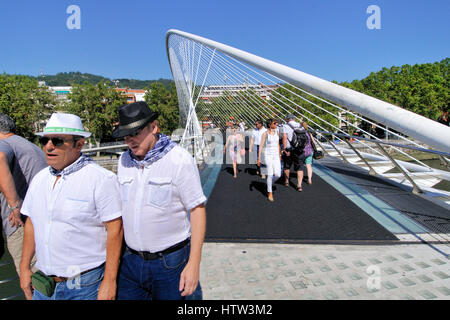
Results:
422 88
25 102
165 102
97 106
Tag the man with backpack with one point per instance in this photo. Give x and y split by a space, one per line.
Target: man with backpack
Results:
293 143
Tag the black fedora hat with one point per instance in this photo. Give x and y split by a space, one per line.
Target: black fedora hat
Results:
133 117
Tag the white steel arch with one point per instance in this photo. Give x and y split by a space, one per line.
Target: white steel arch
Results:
413 125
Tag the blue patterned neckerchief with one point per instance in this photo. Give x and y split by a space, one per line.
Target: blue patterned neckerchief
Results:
159 150
77 165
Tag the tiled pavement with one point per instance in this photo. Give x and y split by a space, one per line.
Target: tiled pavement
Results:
254 271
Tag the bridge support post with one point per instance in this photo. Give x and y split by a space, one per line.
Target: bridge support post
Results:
416 189
372 172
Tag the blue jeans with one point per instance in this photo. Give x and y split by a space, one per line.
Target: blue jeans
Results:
84 288
157 279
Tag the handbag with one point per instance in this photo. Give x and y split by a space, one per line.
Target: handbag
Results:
317 154
243 152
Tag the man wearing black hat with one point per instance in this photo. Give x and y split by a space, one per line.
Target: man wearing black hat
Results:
164 216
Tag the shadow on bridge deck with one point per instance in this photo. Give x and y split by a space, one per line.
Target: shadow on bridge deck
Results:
238 210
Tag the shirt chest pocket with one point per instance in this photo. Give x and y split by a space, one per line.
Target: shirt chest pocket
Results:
159 191
125 184
77 210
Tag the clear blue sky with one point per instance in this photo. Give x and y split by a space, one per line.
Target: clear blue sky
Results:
126 39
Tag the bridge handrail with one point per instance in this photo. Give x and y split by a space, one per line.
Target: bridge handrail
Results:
347 136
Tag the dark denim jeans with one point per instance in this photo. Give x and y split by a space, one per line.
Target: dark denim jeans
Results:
84 287
157 279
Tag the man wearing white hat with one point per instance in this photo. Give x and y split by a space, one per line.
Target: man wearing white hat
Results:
74 225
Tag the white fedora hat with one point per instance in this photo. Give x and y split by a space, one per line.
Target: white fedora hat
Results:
64 123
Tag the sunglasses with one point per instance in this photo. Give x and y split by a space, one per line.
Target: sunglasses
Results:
136 133
57 142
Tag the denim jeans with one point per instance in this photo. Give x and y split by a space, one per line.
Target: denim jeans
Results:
157 279
83 288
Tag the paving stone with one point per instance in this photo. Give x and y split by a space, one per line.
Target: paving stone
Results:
318 283
297 261
271 276
252 279
337 279
375 261
407 267
424 278
330 295
444 291
406 282
246 268
297 285
441 274
325 268
307 271
359 263
406 256
280 263
423 265
388 285
427 294
390 259
350 292
438 262
238 295
390 271
289 273
342 266
330 256
259 292
355 276
279 288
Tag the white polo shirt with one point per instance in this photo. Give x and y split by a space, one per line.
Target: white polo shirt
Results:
156 200
68 218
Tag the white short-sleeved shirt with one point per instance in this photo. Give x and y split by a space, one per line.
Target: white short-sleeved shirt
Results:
257 135
289 131
156 200
68 218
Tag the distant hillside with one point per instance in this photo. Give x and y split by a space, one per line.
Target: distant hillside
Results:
69 78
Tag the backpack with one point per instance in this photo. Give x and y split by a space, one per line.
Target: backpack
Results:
299 139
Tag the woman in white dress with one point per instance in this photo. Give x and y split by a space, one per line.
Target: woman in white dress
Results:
270 143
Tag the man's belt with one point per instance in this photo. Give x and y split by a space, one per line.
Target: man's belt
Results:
64 279
156 255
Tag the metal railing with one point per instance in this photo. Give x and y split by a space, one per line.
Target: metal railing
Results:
381 145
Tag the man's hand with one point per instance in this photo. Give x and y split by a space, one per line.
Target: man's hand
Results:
14 218
189 280
25 283
107 290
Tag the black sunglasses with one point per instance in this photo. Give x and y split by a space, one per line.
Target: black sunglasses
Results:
57 142
137 132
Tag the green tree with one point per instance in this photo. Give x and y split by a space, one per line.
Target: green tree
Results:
165 102
27 103
97 106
